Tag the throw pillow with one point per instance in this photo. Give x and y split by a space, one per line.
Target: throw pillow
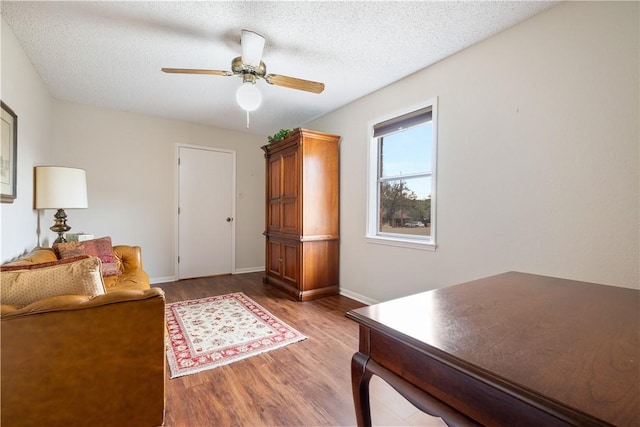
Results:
23 287
32 266
100 248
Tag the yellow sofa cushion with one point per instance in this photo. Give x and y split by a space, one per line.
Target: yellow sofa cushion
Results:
23 287
37 256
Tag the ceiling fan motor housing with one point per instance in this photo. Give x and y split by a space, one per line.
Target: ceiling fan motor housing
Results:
239 67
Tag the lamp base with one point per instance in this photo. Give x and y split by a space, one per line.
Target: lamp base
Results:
60 226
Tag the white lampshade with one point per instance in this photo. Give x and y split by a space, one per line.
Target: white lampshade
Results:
248 96
60 188
252 45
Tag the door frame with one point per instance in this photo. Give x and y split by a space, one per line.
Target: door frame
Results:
176 203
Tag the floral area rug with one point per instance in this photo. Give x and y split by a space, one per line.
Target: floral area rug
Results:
215 331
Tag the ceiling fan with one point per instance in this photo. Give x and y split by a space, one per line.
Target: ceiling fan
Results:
250 67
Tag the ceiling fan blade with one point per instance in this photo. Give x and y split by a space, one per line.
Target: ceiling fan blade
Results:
252 45
196 71
294 83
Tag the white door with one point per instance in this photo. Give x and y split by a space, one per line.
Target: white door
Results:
205 211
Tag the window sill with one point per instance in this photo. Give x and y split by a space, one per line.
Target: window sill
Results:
403 243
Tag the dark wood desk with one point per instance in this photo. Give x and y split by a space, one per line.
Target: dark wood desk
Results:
509 350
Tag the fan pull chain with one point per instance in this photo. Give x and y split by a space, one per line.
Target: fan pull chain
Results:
247 119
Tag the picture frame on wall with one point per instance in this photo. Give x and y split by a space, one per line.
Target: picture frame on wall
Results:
8 155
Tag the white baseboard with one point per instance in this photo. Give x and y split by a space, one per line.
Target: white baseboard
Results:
249 270
156 280
360 298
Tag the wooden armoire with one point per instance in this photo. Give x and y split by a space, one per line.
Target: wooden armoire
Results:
302 215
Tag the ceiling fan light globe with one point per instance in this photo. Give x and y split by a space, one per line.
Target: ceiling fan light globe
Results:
248 97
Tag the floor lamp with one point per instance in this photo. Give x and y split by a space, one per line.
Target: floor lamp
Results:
60 188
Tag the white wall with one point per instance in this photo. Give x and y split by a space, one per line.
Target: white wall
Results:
130 161
22 89
537 158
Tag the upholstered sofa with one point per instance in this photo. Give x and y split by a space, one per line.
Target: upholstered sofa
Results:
81 360
128 260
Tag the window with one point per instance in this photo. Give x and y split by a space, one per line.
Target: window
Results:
402 178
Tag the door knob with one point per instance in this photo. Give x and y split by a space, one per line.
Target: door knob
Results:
229 219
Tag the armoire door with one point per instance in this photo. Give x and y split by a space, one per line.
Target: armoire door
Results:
290 189
274 178
290 261
282 259
274 258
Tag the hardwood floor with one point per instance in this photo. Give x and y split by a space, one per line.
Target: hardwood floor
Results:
303 384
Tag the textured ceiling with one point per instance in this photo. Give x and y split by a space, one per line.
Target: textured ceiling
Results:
109 54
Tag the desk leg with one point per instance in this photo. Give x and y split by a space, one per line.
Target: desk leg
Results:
363 368
360 378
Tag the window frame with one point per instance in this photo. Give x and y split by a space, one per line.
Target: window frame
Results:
373 209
